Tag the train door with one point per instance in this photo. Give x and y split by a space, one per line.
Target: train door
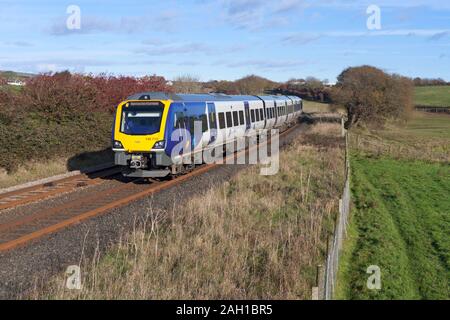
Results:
212 122
275 112
247 115
264 114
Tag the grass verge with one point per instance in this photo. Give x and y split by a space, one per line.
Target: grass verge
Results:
34 170
253 237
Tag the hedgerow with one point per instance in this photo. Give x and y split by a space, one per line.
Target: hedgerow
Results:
63 114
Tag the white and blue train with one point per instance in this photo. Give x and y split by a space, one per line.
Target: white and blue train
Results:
144 124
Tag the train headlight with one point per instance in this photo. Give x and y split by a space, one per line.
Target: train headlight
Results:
117 144
159 145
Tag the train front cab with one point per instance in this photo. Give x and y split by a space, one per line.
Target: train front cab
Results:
139 136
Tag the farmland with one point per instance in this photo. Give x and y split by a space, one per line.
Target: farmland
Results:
434 96
400 222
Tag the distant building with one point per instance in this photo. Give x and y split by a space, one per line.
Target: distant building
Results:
16 83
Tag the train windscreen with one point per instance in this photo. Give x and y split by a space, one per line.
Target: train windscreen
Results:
141 120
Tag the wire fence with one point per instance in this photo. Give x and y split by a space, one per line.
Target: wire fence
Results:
327 274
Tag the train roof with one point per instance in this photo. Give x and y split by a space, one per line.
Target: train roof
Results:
200 97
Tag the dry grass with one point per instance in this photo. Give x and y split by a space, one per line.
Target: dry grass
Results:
32 171
424 137
318 107
253 237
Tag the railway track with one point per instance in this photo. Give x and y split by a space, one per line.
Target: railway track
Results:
20 231
46 190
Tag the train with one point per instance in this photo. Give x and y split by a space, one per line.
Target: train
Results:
146 123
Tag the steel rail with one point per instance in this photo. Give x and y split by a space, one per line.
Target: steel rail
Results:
46 190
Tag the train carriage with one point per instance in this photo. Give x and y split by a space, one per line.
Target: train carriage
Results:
147 139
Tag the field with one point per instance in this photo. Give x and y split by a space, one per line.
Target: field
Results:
312 106
400 222
434 96
253 237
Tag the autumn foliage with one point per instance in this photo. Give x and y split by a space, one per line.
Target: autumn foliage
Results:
62 93
63 114
372 96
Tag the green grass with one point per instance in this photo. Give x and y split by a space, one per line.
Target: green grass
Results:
435 96
400 223
428 125
15 75
400 216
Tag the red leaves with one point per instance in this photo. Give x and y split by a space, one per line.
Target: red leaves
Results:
64 93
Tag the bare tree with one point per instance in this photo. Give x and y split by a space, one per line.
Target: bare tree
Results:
187 84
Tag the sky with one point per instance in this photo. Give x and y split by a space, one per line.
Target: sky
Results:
226 39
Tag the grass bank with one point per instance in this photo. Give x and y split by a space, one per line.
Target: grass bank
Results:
36 147
400 218
433 96
253 237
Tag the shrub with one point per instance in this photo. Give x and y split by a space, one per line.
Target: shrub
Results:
372 96
63 114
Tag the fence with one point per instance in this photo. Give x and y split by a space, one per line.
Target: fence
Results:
433 109
327 275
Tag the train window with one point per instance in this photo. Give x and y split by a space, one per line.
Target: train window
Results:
212 121
257 114
229 119
235 118
252 112
241 117
204 122
221 120
179 120
261 111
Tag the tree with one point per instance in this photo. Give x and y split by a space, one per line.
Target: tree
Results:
372 96
254 85
187 84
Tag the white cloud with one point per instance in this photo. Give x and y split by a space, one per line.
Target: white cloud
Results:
305 37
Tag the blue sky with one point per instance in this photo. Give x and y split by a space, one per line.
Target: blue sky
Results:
226 39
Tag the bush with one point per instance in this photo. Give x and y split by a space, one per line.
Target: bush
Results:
310 89
251 84
372 96
63 114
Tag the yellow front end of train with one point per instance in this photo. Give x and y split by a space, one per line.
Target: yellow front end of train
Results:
139 126
138 138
